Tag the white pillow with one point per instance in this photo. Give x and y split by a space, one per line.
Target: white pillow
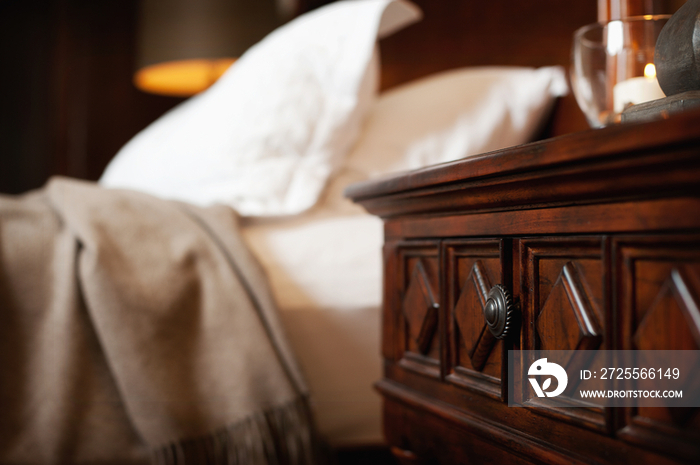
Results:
265 138
455 114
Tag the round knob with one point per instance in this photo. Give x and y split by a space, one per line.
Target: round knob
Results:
499 312
491 312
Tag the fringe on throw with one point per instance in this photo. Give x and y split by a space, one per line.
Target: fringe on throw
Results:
281 436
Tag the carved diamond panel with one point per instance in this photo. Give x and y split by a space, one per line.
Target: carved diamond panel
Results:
563 295
420 309
568 315
658 298
469 315
474 357
675 312
411 306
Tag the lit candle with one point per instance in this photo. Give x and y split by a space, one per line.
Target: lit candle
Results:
637 90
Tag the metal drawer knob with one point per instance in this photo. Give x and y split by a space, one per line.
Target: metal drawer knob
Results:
500 312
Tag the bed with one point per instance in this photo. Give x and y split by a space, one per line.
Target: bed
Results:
321 254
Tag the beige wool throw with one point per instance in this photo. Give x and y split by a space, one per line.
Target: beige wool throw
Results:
137 330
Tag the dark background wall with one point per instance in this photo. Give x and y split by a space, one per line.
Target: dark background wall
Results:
68 103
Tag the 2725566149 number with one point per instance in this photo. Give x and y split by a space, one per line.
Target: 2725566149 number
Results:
639 373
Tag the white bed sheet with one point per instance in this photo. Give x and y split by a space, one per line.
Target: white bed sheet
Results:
325 271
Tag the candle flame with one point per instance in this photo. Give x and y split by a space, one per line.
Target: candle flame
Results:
650 71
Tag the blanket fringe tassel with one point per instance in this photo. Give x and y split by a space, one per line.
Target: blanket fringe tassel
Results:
281 436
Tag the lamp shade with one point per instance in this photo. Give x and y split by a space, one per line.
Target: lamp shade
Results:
185 45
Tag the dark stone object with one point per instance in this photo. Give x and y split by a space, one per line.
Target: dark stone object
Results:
677 55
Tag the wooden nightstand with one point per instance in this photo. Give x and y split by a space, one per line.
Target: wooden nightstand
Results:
597 237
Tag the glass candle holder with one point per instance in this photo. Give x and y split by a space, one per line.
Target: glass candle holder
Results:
612 66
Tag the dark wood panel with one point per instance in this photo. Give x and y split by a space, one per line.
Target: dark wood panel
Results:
473 357
446 426
564 295
99 109
653 215
457 34
475 33
413 306
70 104
27 30
658 294
450 446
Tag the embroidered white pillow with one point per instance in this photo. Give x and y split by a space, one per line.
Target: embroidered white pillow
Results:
454 114
265 138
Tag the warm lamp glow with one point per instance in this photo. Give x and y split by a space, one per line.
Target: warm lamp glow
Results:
649 70
184 46
181 78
